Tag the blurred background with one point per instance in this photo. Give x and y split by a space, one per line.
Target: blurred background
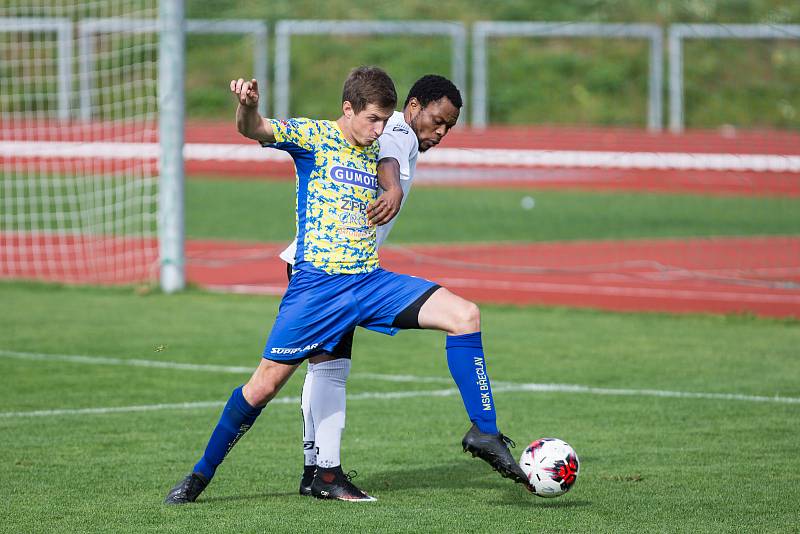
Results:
566 81
621 154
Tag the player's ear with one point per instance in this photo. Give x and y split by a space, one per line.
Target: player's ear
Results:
414 106
347 109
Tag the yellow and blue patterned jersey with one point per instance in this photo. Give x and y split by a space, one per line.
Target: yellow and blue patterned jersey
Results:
335 183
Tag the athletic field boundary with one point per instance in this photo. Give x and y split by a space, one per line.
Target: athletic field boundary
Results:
498 387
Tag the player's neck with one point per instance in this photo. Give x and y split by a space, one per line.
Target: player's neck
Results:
344 128
407 116
410 121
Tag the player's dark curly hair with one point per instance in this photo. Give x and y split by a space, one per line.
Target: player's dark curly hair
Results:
431 88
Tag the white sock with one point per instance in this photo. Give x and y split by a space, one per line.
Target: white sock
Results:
328 409
309 450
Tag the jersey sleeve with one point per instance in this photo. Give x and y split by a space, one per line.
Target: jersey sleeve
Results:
396 142
289 252
293 133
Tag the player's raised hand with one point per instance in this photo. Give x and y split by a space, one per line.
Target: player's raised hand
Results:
246 92
248 120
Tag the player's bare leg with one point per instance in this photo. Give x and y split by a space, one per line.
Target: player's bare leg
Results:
267 380
460 319
239 414
449 313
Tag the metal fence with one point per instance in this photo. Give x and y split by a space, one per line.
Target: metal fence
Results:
63 29
284 29
482 31
679 32
88 28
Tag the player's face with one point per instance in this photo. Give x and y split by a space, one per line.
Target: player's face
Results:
432 122
366 125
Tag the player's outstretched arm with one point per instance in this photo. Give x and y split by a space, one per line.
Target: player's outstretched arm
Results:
387 205
248 121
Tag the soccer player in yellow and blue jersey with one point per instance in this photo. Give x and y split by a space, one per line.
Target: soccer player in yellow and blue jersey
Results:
338 284
431 109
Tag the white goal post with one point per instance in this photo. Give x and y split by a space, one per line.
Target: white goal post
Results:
171 113
117 216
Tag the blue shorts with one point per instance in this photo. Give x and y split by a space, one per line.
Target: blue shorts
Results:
318 309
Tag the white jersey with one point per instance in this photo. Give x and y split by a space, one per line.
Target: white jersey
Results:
398 141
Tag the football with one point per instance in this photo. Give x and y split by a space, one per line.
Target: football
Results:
551 465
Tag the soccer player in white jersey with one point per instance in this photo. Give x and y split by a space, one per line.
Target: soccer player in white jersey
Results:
431 109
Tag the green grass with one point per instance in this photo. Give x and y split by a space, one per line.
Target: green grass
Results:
264 211
225 208
649 464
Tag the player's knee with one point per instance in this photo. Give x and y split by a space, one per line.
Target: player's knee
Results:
468 319
259 393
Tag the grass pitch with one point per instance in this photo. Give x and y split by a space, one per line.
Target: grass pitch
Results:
649 462
226 208
263 210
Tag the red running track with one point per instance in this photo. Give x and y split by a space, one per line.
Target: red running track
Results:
539 138
760 276
723 141
731 275
704 275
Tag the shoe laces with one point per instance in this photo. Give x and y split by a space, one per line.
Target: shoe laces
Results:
349 476
508 441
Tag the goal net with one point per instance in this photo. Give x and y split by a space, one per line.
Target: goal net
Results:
78 140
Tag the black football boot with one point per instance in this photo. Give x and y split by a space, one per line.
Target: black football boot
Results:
493 449
306 479
333 483
187 490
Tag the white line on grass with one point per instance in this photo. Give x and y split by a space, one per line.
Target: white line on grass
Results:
502 386
369 395
104 360
115 409
498 386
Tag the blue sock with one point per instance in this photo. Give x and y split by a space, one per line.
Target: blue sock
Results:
236 419
468 368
